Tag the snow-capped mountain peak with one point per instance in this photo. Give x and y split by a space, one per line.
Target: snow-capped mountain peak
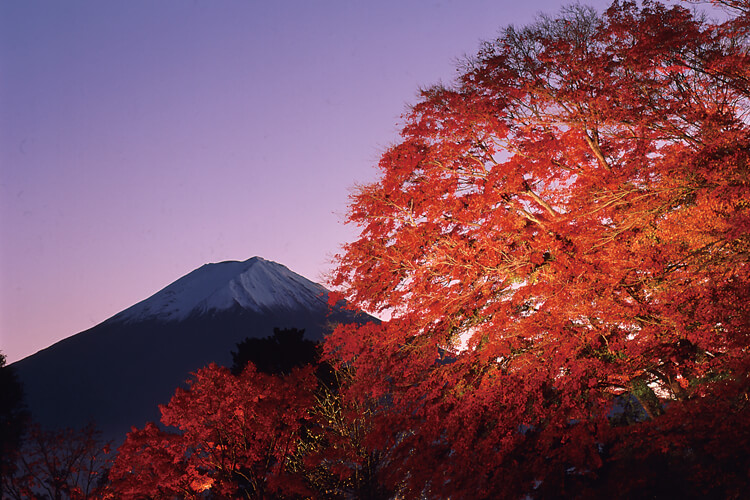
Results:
118 372
255 285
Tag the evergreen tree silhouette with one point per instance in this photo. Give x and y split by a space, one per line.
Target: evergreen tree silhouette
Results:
13 419
278 354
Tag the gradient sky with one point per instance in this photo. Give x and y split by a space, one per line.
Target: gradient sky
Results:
140 139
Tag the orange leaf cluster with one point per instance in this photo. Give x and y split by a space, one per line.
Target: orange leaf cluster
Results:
564 231
236 435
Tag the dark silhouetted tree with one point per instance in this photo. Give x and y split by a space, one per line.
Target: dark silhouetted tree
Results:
13 420
280 353
63 464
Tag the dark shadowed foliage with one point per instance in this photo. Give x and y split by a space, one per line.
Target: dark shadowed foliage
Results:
13 419
278 354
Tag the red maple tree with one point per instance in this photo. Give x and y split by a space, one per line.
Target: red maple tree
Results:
236 435
562 233
561 240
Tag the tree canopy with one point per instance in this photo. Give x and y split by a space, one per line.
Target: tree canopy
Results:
232 435
561 240
565 226
280 353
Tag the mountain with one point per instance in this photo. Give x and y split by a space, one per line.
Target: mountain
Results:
255 285
117 372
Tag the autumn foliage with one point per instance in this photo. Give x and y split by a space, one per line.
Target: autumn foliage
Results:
561 240
236 436
562 233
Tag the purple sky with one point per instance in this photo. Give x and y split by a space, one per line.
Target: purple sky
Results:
140 139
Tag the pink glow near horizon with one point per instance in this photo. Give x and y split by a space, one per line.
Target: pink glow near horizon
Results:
140 140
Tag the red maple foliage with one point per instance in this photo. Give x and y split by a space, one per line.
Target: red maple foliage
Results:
564 231
235 437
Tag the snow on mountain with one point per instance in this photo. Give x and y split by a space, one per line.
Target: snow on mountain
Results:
117 373
255 285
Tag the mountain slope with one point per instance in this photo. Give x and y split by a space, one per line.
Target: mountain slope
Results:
117 372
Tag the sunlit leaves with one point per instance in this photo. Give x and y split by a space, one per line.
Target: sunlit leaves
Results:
234 435
565 224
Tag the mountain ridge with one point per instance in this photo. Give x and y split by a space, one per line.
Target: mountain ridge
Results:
118 372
